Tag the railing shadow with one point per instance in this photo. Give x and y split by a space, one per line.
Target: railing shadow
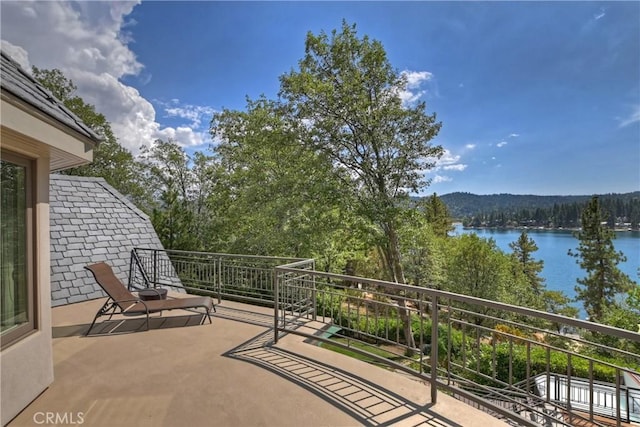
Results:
127 326
245 316
369 404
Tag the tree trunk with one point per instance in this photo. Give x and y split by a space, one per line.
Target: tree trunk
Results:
394 267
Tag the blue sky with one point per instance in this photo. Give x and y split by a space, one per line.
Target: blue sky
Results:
535 97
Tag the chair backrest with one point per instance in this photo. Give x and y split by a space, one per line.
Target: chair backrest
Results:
111 284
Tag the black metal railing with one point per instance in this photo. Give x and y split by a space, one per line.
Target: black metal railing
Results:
246 278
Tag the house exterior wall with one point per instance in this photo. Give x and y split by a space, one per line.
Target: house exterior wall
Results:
91 222
38 130
27 365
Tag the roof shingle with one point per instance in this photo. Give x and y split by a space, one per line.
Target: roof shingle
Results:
91 222
18 82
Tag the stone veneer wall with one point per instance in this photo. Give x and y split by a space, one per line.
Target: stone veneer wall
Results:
92 222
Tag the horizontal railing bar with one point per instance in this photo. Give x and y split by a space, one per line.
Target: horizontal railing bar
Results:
240 256
621 333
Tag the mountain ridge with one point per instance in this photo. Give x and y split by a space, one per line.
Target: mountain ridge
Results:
464 204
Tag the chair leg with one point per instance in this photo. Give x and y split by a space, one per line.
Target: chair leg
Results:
100 312
92 323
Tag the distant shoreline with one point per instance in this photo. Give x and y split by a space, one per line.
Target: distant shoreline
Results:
525 228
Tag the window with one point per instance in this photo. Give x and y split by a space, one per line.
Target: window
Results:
17 293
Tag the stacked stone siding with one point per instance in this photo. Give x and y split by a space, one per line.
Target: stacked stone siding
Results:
91 222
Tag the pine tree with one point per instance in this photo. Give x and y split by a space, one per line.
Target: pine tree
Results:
523 248
598 257
437 215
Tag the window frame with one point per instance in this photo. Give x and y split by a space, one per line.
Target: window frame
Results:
14 335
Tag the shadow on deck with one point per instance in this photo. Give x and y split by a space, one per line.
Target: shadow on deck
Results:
227 373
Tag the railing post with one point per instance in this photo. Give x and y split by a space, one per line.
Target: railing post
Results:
569 374
276 298
131 261
617 402
315 292
219 279
155 268
434 349
627 405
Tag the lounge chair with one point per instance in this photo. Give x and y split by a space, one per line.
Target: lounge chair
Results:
122 301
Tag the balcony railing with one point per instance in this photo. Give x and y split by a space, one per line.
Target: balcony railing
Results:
525 366
245 278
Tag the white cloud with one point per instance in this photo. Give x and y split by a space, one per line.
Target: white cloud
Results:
17 53
194 113
448 162
631 118
501 144
87 41
457 167
448 158
414 80
441 178
514 135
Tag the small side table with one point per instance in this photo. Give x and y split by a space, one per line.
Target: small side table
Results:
150 294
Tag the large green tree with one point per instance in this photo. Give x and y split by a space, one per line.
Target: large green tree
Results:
282 198
422 246
173 182
111 161
348 95
598 257
477 267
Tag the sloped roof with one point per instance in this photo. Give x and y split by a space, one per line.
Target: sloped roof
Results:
91 222
15 80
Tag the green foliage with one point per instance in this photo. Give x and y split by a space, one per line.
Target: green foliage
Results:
622 317
559 303
526 269
514 357
348 92
281 197
436 214
171 178
477 267
598 257
449 341
422 248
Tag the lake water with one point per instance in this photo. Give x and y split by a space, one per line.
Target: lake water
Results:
561 270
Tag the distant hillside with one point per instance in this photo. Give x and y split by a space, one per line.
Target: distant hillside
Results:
462 205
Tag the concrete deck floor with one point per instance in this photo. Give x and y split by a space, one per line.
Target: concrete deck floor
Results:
223 374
